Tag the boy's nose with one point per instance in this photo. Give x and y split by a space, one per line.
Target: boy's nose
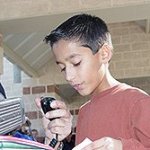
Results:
70 75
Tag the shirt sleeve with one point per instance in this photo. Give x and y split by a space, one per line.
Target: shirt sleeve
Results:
140 126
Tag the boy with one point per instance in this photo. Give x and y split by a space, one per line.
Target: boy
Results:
117 117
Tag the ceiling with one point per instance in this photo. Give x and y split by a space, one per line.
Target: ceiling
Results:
23 38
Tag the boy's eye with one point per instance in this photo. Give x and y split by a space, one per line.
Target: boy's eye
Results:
63 69
77 64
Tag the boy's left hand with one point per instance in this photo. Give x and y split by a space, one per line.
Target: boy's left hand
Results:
105 143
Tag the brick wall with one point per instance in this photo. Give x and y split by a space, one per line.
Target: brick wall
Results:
130 58
130 64
1 55
131 50
35 115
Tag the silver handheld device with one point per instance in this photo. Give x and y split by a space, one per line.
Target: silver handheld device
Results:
11 114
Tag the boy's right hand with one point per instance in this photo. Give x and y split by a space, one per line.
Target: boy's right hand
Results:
62 123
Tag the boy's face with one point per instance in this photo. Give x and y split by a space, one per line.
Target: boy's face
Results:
83 70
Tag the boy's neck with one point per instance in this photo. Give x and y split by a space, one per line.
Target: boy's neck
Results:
108 82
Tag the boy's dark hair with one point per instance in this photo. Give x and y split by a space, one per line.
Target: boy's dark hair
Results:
90 31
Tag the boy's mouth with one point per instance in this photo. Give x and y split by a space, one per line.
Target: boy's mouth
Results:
78 87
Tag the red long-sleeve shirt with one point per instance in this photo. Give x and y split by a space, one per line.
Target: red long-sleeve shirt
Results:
121 112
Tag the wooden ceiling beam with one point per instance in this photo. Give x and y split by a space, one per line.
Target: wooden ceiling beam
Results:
16 59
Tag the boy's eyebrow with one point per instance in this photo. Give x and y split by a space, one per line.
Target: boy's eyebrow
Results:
57 62
70 57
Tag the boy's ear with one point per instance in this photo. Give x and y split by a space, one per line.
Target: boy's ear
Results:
106 53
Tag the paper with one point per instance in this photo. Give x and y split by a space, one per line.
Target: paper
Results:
85 142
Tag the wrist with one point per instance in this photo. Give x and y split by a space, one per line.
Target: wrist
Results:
47 140
59 146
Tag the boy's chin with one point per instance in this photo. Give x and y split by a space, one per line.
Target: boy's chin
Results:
84 93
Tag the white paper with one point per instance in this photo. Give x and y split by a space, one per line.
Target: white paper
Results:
85 142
